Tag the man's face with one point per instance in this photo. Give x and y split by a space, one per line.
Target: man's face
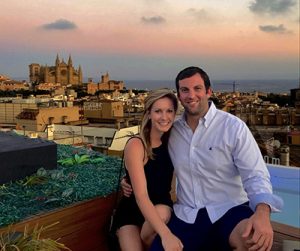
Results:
193 95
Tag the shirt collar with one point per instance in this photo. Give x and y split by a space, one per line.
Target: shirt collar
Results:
206 120
210 113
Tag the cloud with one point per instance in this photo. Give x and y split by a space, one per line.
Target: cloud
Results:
153 20
280 29
60 24
272 7
200 14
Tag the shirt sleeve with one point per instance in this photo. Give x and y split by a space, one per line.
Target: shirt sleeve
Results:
253 170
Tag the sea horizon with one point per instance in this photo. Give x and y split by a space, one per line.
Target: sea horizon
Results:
282 86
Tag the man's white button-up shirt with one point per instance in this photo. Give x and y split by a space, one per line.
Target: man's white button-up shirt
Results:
218 166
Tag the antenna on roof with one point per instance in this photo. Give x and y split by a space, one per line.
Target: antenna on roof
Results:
234 85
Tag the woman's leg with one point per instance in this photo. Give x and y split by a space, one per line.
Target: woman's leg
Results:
129 238
147 232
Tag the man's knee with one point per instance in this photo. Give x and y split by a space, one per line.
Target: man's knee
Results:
236 239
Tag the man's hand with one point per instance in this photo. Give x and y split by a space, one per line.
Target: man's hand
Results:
259 230
126 187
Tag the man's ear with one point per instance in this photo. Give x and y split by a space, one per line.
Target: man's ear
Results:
209 92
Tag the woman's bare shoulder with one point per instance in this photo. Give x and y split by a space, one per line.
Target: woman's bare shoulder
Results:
134 144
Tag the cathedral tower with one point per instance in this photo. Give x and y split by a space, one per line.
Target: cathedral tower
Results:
61 72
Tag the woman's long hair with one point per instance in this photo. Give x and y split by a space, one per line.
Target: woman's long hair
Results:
145 129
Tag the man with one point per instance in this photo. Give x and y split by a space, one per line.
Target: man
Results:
224 194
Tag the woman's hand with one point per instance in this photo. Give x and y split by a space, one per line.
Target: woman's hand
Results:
171 243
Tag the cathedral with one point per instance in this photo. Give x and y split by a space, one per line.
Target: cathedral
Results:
61 72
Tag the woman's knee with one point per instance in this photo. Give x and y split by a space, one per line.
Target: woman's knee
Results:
164 212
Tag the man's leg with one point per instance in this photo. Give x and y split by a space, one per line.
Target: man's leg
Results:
230 227
193 236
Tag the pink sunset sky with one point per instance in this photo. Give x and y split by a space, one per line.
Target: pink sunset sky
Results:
153 39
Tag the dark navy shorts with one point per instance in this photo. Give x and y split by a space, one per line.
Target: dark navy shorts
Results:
203 235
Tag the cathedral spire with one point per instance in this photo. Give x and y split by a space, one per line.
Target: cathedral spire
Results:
57 60
70 62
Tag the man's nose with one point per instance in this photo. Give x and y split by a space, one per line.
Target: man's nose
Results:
191 94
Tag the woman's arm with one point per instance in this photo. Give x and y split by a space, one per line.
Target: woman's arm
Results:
134 161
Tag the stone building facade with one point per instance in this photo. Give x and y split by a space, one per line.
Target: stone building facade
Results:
107 109
62 72
37 119
104 84
295 97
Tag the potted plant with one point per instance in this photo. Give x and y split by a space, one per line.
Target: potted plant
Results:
79 194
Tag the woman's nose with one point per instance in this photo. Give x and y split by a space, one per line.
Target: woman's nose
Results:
164 115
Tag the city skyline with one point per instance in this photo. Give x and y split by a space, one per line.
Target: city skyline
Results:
153 39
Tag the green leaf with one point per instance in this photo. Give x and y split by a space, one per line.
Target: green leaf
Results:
67 192
97 160
34 179
52 200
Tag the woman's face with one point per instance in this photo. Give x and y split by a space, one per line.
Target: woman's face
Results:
162 114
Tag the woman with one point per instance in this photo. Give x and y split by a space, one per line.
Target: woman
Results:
149 170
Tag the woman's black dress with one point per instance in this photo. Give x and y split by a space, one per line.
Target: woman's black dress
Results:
159 173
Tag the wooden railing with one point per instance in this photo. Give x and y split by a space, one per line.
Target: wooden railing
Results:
283 233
